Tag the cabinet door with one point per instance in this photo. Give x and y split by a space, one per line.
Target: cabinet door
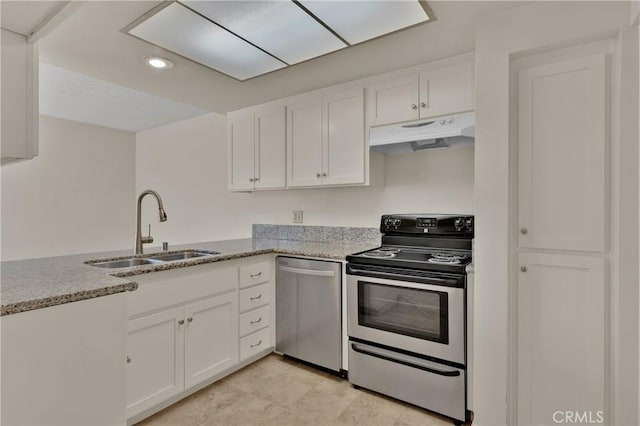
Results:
240 146
562 138
211 342
155 359
395 100
446 91
19 98
304 142
343 138
270 147
561 336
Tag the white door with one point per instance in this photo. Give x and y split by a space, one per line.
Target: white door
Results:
395 100
446 91
562 139
155 359
211 340
561 337
270 147
304 142
240 145
343 138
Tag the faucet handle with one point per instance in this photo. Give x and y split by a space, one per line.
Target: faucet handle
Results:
148 239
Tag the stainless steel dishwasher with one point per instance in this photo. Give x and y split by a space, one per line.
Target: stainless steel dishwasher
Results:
308 311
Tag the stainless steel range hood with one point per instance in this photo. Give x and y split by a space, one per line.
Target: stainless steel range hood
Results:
439 132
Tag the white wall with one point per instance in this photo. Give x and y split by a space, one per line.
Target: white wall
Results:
529 28
186 163
76 196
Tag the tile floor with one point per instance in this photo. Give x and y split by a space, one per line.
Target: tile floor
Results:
276 391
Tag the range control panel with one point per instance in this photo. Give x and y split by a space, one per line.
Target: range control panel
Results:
427 224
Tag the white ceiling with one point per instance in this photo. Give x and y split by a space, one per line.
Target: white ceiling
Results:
78 97
24 16
91 42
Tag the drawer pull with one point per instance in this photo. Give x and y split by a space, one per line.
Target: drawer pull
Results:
181 322
256 298
257 344
255 275
128 359
256 321
190 319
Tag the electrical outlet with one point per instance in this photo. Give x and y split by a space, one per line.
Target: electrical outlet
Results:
297 216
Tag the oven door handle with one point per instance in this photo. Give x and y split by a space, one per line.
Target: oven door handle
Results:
384 355
426 280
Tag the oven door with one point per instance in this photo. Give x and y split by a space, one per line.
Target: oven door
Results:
423 318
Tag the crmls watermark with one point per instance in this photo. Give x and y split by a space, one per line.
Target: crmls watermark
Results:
578 417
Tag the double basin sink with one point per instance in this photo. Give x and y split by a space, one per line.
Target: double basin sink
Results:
153 259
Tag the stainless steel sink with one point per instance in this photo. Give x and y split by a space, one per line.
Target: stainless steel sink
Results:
125 263
181 255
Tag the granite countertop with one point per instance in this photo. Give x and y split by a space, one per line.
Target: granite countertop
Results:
39 283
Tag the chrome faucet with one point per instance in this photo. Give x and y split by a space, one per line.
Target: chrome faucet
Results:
140 240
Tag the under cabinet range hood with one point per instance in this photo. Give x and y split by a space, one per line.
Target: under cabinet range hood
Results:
439 132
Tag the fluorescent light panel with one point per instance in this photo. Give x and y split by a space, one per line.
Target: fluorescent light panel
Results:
357 21
178 29
279 27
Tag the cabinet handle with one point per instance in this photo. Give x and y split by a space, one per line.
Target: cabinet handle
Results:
324 174
128 359
257 344
256 179
524 231
190 319
423 105
318 175
256 298
251 179
256 321
414 106
255 275
523 268
181 322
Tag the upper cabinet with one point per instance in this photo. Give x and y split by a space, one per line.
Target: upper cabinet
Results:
325 139
256 149
19 98
441 90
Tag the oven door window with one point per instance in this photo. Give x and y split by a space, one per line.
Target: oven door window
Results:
402 310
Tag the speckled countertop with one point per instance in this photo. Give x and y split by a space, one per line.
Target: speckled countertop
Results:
39 283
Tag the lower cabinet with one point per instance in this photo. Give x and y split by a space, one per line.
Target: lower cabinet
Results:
173 350
184 329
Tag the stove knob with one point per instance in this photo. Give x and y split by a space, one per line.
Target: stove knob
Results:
469 224
396 222
459 224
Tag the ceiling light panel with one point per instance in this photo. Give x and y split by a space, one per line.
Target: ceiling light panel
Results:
279 27
357 21
184 32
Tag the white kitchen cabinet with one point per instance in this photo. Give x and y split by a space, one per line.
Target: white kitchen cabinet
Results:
211 340
256 149
562 345
155 359
434 92
304 142
19 97
325 140
65 364
562 139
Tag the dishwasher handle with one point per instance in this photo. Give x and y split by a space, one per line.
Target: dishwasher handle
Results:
314 272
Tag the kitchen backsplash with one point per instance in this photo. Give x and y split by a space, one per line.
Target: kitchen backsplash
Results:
317 233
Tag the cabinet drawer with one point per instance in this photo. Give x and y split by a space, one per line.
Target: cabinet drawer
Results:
254 297
254 343
256 273
254 320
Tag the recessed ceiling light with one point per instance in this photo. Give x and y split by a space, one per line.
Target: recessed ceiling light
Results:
158 63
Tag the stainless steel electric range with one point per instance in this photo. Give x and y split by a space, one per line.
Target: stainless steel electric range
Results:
407 312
